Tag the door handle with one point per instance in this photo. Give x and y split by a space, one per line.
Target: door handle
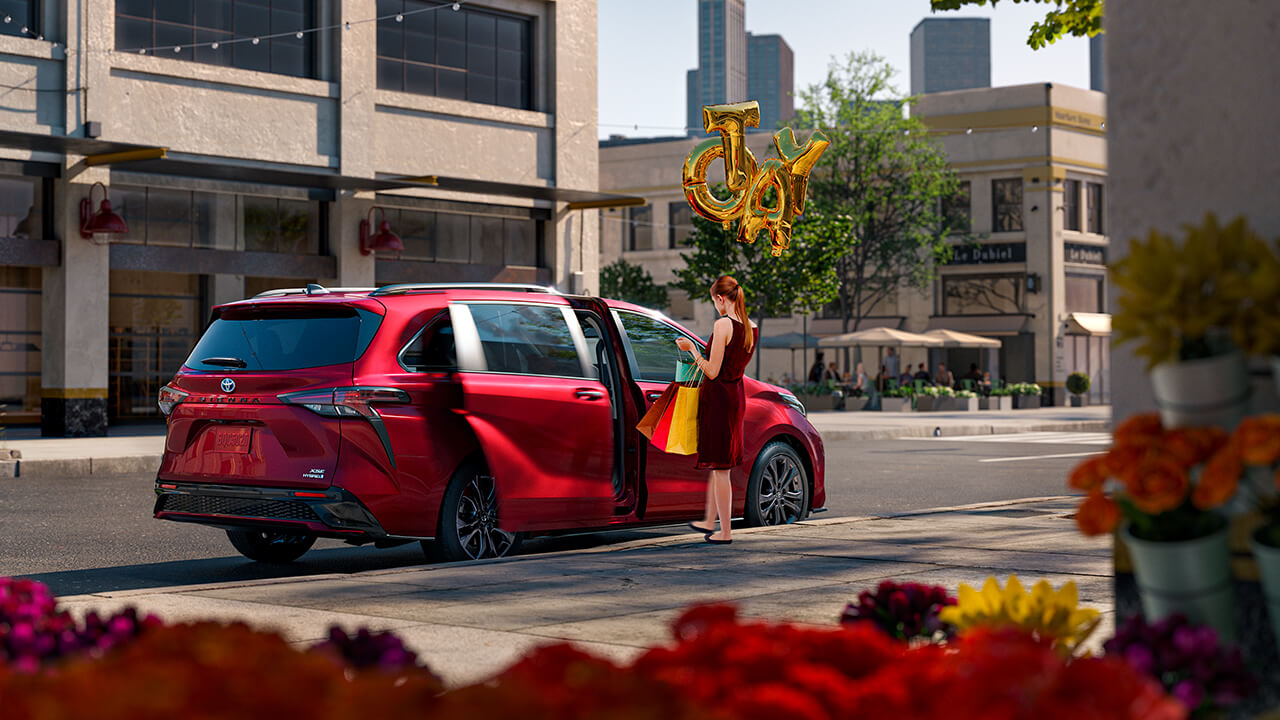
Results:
587 394
653 394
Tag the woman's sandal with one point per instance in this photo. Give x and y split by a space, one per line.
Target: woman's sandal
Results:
709 539
702 530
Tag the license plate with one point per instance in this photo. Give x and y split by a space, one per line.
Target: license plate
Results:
232 439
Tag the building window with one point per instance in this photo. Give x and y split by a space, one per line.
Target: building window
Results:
20 340
21 14
21 212
465 54
474 239
1006 205
154 321
956 210
1071 205
640 230
1093 207
982 294
222 221
174 26
1084 293
679 224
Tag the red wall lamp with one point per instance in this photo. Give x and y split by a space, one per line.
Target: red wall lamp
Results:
382 241
104 221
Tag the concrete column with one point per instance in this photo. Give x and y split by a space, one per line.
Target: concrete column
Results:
73 355
226 229
355 269
573 243
357 75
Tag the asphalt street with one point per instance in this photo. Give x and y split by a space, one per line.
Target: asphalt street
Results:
96 533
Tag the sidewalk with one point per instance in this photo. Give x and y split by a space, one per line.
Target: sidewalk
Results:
470 620
137 449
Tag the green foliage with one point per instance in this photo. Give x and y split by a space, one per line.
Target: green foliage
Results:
1079 18
1022 389
826 387
876 194
966 394
1003 391
632 283
900 391
1077 383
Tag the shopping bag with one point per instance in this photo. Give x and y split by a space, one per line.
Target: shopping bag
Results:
649 423
686 370
682 437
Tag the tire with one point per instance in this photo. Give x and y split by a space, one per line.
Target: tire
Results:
468 528
270 546
778 491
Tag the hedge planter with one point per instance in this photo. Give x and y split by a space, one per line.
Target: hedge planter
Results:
996 402
1192 577
1079 401
926 403
856 403
817 402
1026 402
895 404
965 404
1211 391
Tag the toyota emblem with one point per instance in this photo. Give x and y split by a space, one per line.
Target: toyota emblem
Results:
228 385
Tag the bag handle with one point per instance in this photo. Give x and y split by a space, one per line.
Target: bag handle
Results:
696 366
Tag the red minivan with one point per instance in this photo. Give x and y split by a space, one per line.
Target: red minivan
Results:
464 416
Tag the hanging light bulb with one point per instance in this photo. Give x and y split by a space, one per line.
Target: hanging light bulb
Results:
456 6
346 25
298 34
254 41
142 51
177 48
1035 128
399 18
968 131
7 19
214 45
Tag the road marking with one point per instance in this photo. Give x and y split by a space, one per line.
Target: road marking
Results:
1043 457
1053 438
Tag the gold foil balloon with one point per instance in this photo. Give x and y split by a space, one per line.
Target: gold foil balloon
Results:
749 181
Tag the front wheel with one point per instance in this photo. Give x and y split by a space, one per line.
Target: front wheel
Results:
269 546
469 528
778 491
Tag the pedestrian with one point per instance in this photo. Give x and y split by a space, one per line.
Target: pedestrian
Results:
815 372
722 402
861 384
891 363
922 374
944 378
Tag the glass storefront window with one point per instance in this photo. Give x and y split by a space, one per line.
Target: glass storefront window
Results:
982 294
20 211
154 321
20 341
223 221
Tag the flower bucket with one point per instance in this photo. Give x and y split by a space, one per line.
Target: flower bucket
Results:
965 404
1211 391
1025 402
926 403
1079 401
1192 577
895 404
1268 561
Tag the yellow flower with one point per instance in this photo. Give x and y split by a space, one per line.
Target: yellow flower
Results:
1049 614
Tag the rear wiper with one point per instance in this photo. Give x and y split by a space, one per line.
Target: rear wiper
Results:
225 362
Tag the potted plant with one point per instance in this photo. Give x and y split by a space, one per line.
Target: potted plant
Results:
896 400
966 400
1078 385
1168 485
1025 395
1195 308
933 398
816 396
1000 399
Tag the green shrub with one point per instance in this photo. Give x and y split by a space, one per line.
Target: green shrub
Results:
1077 383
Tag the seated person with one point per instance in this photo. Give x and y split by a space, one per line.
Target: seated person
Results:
944 376
922 374
974 373
985 385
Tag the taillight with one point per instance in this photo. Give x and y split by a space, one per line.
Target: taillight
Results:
355 402
170 396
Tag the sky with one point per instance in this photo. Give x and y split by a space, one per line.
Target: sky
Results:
646 47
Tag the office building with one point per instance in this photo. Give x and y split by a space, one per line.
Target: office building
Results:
950 54
1098 63
771 79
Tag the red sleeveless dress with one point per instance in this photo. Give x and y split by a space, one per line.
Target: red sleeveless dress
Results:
722 404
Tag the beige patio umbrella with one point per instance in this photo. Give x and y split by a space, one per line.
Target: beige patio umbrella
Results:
952 338
881 337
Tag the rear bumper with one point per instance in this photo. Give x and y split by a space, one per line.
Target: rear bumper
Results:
329 513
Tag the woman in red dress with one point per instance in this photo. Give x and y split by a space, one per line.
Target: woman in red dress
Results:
721 402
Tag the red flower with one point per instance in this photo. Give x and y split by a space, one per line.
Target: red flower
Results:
1097 515
1090 475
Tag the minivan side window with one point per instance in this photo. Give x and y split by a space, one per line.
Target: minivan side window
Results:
432 350
526 339
653 347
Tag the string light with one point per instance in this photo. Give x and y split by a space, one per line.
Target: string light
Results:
399 18
864 131
298 34
7 19
255 41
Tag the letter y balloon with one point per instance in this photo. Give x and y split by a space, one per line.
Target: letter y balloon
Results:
748 180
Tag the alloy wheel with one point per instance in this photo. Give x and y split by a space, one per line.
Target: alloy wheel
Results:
477 521
781 491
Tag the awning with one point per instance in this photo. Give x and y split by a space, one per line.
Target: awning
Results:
1079 323
880 337
981 324
953 339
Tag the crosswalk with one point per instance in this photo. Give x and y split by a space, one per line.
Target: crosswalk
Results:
1047 438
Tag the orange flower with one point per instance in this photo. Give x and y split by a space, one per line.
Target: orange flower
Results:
1140 429
1157 484
1089 475
1097 515
1123 460
1218 480
1259 439
1193 445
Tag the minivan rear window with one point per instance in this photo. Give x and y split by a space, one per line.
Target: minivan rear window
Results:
284 338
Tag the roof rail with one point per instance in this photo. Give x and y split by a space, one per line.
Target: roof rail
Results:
309 290
404 288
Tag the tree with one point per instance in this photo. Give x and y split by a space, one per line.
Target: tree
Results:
802 279
878 192
624 281
1079 18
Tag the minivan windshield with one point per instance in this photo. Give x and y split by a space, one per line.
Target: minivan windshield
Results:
284 338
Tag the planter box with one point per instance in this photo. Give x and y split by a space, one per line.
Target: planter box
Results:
965 404
895 404
996 402
856 403
925 403
817 402
1026 402
1079 401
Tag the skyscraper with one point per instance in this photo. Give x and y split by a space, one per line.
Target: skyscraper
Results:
722 57
950 54
771 78
1097 64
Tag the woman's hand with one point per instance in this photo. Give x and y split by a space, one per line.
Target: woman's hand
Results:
684 344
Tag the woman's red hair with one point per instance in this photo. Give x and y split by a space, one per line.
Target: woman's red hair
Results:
730 290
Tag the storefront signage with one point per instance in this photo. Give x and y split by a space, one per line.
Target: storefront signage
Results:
1085 254
989 254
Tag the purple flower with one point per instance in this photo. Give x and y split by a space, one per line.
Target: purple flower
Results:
903 610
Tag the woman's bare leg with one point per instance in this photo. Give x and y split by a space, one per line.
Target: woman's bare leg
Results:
723 493
709 516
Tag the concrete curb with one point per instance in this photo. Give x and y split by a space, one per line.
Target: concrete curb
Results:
65 467
923 431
